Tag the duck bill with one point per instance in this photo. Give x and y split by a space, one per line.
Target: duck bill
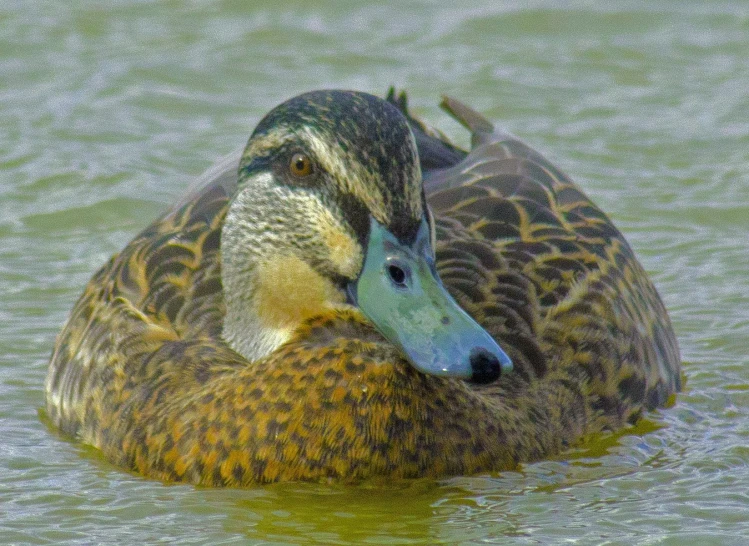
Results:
399 290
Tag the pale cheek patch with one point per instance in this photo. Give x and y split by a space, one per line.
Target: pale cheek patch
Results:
288 291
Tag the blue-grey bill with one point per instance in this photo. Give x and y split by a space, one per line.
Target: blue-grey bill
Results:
418 315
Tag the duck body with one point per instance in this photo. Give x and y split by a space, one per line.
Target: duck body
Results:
159 368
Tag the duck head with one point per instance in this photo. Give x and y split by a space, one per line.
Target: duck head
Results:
330 212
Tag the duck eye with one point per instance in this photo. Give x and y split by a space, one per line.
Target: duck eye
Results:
300 165
397 275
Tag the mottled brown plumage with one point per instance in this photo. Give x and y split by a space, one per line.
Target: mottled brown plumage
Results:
141 371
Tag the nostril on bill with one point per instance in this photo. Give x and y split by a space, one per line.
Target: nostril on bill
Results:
485 367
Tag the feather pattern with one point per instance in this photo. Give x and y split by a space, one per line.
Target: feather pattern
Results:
140 370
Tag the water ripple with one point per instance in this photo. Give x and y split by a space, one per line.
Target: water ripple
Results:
109 109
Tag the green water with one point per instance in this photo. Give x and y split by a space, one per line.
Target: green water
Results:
108 109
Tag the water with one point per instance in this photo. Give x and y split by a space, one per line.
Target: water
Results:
109 108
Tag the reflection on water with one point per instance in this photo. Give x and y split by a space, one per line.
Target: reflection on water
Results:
110 109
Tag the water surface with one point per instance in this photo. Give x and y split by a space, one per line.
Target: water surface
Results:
110 108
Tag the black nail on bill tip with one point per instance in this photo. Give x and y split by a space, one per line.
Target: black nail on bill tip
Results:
485 366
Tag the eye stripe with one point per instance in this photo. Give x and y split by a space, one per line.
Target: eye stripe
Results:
345 172
345 169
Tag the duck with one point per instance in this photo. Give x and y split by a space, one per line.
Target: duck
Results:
353 297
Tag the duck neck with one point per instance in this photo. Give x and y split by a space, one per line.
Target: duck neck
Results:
267 300
269 289
244 328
